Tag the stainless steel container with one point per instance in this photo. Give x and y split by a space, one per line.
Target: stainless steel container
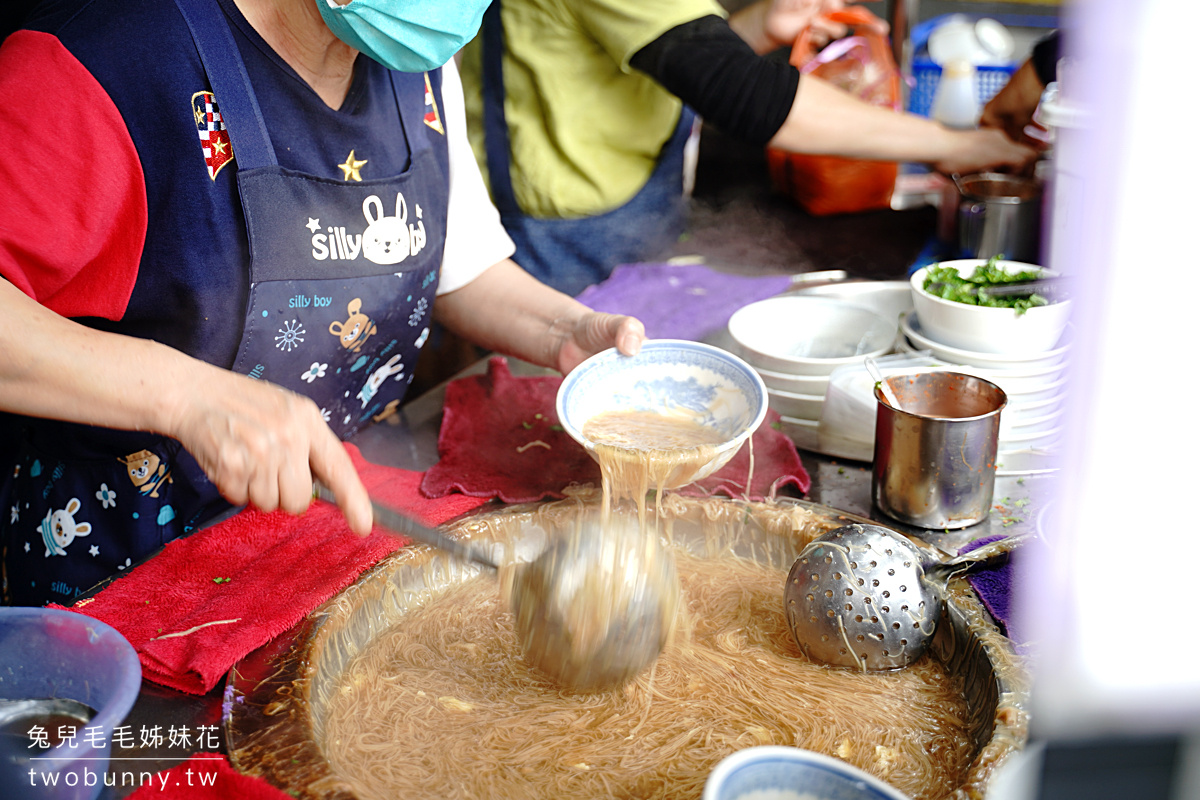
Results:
999 215
935 461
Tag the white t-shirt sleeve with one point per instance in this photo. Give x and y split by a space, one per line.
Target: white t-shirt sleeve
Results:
475 237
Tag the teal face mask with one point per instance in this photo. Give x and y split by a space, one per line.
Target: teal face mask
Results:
405 35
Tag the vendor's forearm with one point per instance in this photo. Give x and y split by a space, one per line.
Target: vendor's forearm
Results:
53 367
507 310
258 443
826 120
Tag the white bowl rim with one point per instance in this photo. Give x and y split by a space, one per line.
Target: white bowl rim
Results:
815 398
803 423
1029 370
1020 373
999 373
813 300
1024 438
1035 405
1054 386
1040 420
649 344
790 376
739 759
917 279
908 329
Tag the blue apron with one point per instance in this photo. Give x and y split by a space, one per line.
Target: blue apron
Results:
337 312
572 254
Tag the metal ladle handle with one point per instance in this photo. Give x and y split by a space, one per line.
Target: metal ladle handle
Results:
986 553
406 526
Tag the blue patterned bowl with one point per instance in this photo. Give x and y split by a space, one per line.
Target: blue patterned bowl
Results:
724 392
790 773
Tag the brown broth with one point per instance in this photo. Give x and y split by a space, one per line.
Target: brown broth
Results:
444 706
643 450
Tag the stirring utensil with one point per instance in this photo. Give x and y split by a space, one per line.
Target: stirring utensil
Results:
398 523
884 386
864 597
598 605
591 611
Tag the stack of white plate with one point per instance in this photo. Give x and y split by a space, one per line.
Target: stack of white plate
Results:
795 341
1035 385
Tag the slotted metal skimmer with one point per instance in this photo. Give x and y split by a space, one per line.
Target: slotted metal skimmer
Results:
863 597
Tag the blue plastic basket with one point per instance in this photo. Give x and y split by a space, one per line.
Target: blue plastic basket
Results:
989 79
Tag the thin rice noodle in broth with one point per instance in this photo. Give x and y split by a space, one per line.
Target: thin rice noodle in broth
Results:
443 706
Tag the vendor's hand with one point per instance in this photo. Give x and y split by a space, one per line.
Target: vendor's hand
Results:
255 441
264 445
984 149
1011 109
585 335
784 20
507 310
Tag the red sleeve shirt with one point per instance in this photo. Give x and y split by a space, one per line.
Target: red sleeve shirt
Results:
74 198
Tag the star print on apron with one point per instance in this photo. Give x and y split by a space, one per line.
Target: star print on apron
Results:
342 274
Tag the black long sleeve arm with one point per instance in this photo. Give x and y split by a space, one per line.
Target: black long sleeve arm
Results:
708 66
1045 58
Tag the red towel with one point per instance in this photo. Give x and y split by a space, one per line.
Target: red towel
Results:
207 600
207 776
492 424
775 464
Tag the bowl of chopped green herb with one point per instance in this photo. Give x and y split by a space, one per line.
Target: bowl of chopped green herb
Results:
974 304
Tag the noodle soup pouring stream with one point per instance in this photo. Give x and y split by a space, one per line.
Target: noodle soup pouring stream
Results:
592 611
671 415
599 604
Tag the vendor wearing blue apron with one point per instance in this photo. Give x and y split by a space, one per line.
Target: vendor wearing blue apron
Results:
288 241
574 246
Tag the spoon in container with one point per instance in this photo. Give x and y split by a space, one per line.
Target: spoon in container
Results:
864 597
884 386
591 611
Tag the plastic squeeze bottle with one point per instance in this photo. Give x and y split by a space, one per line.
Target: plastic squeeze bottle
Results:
956 103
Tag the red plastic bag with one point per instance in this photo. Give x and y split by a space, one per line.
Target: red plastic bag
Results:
863 65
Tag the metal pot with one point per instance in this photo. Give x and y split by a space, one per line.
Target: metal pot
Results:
999 214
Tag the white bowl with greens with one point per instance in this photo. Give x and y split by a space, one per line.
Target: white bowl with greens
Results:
1002 325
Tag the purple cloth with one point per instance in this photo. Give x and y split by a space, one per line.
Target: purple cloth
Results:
993 584
996 583
685 301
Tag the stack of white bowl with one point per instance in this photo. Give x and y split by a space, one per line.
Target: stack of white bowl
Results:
1026 355
795 341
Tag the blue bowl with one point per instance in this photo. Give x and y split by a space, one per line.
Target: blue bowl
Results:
719 390
790 773
50 653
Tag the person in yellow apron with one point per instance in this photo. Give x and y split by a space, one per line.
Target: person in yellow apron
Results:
579 112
